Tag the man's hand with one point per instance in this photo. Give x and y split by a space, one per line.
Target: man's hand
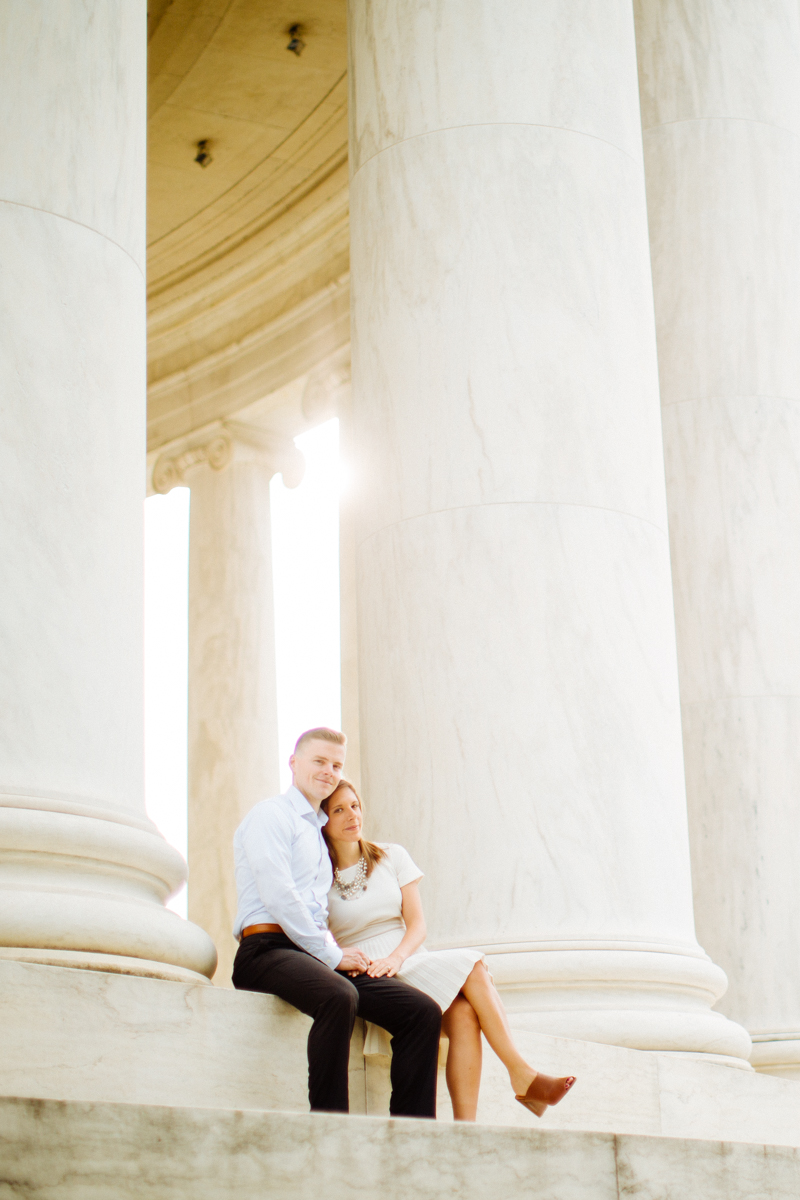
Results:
380 967
353 962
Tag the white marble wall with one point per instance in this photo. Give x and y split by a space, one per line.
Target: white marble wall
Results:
520 718
720 87
82 869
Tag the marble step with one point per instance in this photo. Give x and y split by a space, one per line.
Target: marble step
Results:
80 1035
55 1150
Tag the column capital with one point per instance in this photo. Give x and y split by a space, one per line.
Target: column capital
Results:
225 442
323 392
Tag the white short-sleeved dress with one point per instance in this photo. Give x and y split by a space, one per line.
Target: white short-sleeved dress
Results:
373 922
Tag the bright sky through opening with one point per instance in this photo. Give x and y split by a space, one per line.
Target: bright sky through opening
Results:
305 556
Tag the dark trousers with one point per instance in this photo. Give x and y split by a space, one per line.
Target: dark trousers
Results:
270 962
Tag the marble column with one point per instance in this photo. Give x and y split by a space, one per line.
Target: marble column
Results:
348 590
233 719
720 87
83 872
520 719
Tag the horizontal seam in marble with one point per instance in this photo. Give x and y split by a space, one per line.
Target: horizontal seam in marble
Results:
513 504
706 120
741 696
776 1035
494 125
729 396
61 217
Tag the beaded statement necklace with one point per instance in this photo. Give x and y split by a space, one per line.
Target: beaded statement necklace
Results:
357 885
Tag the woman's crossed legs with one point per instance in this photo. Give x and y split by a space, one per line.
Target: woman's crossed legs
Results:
478 1008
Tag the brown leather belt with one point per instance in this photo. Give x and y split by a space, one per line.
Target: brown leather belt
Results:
248 929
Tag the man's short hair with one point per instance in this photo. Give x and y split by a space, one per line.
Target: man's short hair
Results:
323 734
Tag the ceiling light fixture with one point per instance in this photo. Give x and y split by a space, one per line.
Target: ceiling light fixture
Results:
296 45
203 157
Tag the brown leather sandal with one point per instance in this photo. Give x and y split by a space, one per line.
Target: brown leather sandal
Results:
545 1091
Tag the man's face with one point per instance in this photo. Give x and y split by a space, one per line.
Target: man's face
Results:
316 769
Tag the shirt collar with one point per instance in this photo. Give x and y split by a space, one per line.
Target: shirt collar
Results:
303 808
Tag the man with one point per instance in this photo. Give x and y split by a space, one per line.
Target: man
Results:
283 875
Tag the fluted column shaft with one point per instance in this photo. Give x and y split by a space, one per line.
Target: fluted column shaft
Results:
83 872
520 719
720 86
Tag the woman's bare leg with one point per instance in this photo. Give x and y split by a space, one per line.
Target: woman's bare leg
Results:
483 996
461 1026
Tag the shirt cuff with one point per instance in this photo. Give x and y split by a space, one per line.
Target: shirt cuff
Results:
333 956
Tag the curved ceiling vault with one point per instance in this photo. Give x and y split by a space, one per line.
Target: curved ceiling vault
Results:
248 255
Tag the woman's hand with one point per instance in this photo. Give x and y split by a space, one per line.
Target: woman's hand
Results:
380 967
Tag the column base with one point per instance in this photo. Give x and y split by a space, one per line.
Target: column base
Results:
116 964
91 889
642 999
777 1053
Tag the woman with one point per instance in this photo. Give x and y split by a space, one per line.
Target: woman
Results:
374 904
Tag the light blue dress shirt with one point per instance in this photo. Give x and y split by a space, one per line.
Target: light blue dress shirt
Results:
284 873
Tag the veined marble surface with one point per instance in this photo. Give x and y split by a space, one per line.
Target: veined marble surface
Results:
71 470
501 352
520 718
91 1035
528 794
723 240
94 1037
720 88
71 1151
73 116
462 63
709 61
81 867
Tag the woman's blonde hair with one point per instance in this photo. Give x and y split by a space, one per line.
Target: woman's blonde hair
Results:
369 850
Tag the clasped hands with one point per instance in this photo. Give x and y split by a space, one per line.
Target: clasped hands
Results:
355 962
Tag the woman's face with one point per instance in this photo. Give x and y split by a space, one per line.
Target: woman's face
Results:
344 817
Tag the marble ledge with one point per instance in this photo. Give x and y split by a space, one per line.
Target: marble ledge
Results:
119 1151
85 1036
